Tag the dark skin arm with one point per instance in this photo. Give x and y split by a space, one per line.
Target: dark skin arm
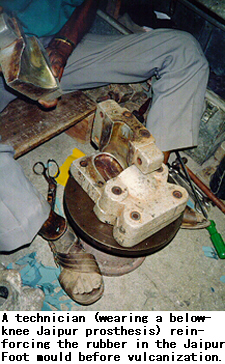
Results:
74 30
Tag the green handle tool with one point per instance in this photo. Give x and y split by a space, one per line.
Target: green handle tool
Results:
216 239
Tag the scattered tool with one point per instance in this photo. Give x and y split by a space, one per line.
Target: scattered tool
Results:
215 237
191 184
50 173
55 225
177 177
204 188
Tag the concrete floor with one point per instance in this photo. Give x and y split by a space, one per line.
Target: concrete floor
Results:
178 278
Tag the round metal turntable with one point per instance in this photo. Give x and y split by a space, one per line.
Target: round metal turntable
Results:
98 238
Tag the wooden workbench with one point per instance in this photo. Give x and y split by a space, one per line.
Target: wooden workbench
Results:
24 125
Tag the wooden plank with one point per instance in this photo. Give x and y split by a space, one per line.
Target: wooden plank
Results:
81 132
24 125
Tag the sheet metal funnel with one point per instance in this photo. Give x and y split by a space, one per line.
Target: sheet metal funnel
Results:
25 63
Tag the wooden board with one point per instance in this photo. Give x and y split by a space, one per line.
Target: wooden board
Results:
81 132
24 125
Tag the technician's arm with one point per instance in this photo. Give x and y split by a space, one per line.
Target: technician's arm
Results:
63 44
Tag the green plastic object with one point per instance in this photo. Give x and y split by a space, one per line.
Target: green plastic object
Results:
217 240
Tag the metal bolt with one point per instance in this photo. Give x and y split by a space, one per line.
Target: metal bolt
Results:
83 163
127 114
135 215
117 190
177 194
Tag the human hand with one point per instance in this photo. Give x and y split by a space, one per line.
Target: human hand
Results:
58 53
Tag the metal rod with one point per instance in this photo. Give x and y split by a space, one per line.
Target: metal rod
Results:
207 191
191 184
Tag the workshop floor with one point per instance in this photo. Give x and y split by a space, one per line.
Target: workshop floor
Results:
179 277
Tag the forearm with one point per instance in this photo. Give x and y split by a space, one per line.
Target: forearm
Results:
64 42
80 22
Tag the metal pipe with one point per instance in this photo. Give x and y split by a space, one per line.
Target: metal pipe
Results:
191 184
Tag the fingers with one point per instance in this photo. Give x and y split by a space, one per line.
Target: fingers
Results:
57 63
58 54
57 70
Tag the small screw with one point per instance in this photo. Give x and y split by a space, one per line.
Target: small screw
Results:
177 194
135 215
117 190
84 163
